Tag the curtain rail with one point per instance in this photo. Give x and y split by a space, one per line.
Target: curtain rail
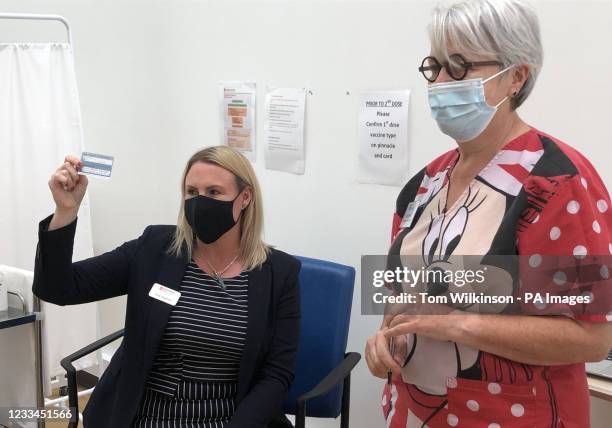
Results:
37 17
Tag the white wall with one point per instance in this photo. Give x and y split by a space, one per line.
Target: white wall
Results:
148 74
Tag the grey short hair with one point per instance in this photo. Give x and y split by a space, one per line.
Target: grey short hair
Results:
504 30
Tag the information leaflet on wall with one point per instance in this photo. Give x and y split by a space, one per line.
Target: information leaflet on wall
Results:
284 129
237 101
383 137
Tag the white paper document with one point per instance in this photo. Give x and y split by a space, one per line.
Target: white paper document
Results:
284 129
238 116
383 137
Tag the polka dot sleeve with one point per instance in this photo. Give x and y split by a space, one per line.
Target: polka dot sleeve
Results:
575 220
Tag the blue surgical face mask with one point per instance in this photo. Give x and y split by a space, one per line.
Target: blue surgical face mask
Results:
460 107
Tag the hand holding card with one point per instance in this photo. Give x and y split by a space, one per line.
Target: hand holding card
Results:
68 189
69 183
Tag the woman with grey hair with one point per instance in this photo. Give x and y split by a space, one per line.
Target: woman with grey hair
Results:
506 189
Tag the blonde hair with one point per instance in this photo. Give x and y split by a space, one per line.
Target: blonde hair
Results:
253 251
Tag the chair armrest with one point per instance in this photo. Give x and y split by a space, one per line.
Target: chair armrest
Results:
334 377
66 363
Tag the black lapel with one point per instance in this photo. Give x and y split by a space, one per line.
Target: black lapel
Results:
259 294
170 275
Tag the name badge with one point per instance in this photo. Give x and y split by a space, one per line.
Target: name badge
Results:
165 294
409 214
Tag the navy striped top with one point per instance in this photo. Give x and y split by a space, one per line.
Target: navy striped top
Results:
202 344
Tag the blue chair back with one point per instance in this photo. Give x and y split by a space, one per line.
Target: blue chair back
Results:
326 297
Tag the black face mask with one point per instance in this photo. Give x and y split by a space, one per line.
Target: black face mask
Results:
210 218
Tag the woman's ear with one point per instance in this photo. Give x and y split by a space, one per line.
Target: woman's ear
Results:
519 77
246 198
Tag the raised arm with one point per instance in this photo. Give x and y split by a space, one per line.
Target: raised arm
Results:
58 280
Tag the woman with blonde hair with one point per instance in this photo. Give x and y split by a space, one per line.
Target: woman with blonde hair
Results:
212 317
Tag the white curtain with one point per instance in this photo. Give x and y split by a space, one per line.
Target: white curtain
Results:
40 122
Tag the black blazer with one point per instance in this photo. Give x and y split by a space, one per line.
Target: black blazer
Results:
266 368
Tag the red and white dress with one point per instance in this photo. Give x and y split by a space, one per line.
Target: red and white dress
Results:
537 197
